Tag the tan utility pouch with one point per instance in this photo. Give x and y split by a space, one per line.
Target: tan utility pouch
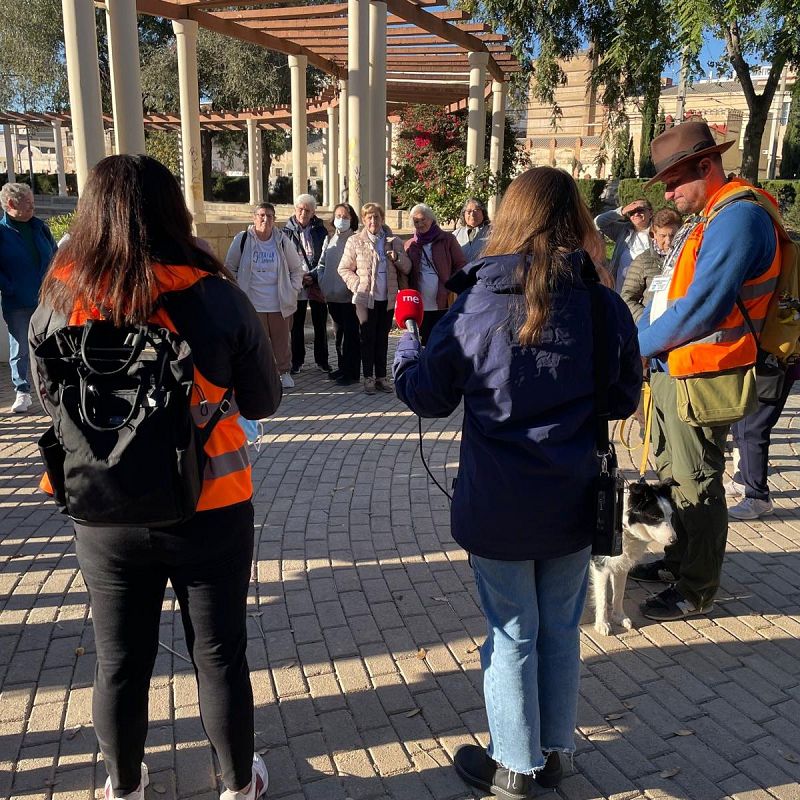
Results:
719 399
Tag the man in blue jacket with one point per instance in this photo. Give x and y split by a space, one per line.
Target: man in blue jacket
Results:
691 327
26 247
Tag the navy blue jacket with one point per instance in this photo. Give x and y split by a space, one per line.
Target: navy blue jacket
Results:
528 455
20 277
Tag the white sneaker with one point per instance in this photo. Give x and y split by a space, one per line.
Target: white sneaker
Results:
258 786
751 508
733 489
138 794
22 403
286 381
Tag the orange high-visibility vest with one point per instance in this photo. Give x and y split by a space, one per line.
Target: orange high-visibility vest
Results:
227 479
731 344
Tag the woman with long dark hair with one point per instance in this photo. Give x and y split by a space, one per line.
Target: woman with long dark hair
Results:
517 347
132 260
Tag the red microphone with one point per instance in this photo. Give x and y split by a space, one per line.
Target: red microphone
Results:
408 311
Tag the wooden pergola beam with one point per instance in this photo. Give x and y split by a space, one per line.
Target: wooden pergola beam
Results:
445 30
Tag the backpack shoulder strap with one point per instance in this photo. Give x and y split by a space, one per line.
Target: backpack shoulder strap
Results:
242 242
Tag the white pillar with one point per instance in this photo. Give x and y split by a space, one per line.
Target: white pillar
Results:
387 202
297 68
62 177
358 125
254 163
83 77
377 94
343 114
499 90
186 36
476 116
12 175
126 78
332 177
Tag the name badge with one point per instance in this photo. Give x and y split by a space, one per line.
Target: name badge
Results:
660 283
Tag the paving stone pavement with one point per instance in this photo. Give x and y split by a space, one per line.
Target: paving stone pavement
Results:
364 634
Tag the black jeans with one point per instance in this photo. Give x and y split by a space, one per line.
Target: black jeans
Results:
375 339
207 560
344 315
319 319
752 437
429 319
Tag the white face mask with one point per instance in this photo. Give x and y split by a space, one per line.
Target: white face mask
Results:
341 224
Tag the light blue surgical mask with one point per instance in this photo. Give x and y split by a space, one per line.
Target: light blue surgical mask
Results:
341 224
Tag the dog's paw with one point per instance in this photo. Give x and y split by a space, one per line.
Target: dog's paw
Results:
622 619
603 627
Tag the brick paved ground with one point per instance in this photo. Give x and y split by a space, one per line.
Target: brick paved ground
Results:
364 632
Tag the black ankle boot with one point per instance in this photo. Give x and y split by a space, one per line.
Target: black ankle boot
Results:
550 776
482 772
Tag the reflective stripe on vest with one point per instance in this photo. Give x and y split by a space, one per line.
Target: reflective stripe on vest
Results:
731 344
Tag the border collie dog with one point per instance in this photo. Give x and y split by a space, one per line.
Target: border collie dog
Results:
646 523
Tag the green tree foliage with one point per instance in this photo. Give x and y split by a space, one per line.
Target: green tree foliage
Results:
430 166
790 157
633 39
232 75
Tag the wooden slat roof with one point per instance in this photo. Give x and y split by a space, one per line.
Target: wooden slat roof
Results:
421 28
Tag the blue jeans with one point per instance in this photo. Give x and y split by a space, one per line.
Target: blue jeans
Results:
19 358
531 657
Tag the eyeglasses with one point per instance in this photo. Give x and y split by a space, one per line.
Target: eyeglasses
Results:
640 212
418 220
473 211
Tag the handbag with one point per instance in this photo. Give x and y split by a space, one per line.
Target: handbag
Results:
770 373
609 485
722 398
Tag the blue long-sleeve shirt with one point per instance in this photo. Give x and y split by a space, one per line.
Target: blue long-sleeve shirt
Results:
738 245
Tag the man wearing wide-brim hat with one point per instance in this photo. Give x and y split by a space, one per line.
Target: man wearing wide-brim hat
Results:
693 327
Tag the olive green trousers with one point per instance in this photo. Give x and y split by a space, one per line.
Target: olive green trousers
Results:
695 459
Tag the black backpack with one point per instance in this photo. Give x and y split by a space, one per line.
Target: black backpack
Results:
123 448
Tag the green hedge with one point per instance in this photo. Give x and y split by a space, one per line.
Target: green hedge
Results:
59 225
590 190
46 183
230 189
631 189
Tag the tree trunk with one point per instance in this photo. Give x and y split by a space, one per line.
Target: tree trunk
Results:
757 104
753 133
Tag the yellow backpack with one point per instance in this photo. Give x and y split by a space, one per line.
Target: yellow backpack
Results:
781 332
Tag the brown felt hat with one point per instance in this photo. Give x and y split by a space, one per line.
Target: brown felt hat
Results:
681 144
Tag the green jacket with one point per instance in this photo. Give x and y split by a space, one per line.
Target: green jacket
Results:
636 288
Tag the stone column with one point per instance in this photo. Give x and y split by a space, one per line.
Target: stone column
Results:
12 175
343 114
377 94
499 91
358 124
186 35
476 115
387 202
126 79
297 68
83 77
332 176
254 163
62 177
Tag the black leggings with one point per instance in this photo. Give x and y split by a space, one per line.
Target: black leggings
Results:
207 560
319 319
375 339
344 315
